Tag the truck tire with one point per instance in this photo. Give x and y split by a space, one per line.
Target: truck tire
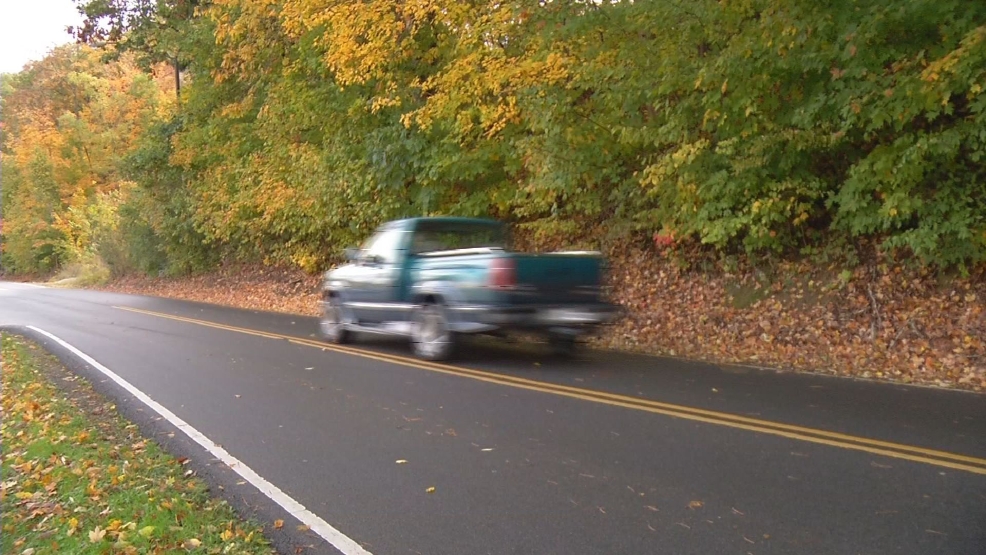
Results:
330 326
431 338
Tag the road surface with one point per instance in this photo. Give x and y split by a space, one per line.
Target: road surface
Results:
608 454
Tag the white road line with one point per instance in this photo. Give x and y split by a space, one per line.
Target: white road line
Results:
338 540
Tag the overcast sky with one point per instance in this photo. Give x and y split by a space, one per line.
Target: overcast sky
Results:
30 28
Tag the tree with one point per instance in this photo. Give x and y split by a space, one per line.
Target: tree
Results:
68 121
153 29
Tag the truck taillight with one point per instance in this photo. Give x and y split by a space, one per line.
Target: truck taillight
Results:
502 273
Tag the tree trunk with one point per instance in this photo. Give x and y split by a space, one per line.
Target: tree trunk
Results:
177 78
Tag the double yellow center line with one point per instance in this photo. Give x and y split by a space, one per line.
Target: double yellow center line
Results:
812 435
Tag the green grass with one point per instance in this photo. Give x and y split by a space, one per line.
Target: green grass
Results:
78 478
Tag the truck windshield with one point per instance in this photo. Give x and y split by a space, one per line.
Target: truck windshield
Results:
445 236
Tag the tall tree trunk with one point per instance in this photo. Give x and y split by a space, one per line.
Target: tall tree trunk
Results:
177 77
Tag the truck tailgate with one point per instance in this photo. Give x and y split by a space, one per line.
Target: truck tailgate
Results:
557 278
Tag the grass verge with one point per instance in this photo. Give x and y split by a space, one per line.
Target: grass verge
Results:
78 478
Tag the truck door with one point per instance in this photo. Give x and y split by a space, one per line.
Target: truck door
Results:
375 287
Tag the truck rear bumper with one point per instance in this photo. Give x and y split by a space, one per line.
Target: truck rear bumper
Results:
572 318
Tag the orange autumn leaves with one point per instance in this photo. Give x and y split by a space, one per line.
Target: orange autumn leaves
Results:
68 122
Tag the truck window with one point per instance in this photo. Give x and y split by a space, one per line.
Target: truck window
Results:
385 244
446 236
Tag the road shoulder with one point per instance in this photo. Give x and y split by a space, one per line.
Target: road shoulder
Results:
74 377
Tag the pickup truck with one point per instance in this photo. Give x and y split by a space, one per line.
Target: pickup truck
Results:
435 279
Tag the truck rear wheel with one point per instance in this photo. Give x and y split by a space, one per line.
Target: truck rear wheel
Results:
431 338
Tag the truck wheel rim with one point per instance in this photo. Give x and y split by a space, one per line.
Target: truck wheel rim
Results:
432 333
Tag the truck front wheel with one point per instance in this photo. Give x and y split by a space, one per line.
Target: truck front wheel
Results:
431 337
331 325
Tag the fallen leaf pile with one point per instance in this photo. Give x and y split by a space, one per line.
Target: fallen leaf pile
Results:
79 479
239 285
881 321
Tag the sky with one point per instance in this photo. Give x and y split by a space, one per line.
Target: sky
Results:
30 28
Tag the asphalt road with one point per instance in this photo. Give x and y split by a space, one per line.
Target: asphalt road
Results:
608 454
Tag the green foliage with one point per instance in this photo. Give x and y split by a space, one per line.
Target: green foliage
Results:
157 231
761 127
814 113
31 245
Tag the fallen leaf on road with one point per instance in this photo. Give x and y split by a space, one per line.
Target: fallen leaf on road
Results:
651 508
430 490
278 524
695 504
303 528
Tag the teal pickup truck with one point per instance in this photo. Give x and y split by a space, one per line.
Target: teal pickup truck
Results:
434 279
